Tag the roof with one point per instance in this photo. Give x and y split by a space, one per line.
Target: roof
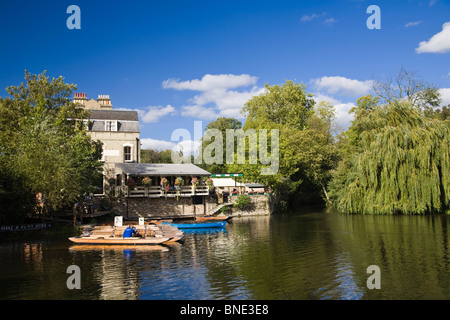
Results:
162 169
226 182
255 185
114 115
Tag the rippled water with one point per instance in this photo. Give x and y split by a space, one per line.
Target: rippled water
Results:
311 255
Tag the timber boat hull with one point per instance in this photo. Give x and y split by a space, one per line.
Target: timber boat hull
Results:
119 247
120 241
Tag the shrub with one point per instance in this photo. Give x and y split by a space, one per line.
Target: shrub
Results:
244 202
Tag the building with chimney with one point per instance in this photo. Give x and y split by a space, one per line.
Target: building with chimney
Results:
118 130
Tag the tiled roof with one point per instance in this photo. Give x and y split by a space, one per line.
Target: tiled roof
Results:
114 115
162 169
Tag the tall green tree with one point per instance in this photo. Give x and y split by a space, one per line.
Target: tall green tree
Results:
306 151
399 163
219 126
44 141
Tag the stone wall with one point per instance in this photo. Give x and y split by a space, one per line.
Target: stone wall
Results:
133 208
262 205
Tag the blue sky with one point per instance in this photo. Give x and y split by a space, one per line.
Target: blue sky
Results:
176 62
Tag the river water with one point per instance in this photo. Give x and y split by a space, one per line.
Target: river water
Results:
300 256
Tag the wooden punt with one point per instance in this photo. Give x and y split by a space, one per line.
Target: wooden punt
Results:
121 241
119 247
113 235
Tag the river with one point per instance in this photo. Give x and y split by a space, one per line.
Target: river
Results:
309 255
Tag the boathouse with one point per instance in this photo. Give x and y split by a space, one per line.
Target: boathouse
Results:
162 190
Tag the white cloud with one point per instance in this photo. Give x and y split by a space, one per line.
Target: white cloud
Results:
439 43
306 18
154 144
209 82
216 97
152 114
343 118
342 85
198 111
310 17
412 24
445 96
330 21
319 97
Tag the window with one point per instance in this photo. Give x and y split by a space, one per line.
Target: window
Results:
110 125
127 153
98 184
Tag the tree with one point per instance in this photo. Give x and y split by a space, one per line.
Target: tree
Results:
439 113
280 105
45 142
154 156
407 86
399 163
306 151
219 126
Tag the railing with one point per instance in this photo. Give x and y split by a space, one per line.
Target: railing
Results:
157 192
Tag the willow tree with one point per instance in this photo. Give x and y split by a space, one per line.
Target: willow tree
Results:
400 164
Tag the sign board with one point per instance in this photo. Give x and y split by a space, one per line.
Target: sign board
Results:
118 220
141 221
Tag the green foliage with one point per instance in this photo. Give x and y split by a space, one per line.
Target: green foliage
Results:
406 86
154 156
399 163
15 196
225 210
44 142
438 113
243 202
306 145
221 124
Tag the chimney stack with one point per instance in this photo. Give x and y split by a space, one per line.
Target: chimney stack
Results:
104 101
80 97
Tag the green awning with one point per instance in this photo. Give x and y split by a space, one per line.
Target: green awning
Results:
226 175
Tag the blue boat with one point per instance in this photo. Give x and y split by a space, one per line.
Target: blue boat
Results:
197 225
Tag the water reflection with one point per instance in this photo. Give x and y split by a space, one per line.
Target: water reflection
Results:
205 230
311 255
412 253
116 272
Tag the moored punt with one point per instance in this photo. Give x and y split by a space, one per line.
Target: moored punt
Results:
197 225
119 241
119 247
151 233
